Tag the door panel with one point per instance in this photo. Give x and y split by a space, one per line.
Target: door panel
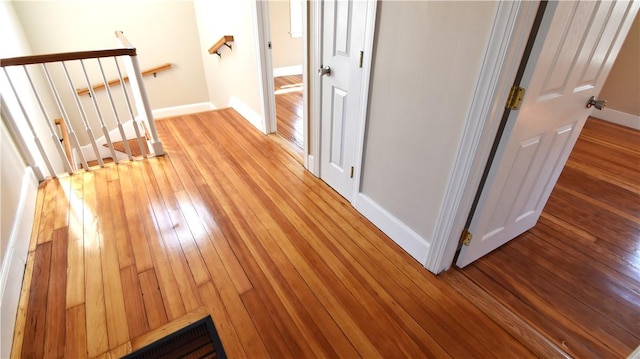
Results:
338 106
572 55
343 39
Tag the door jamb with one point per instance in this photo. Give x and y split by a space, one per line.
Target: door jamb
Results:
265 74
511 28
369 37
312 89
265 65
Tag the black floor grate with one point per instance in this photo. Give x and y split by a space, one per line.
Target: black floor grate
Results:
197 340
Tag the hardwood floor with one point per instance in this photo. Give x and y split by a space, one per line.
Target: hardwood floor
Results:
288 91
228 224
576 275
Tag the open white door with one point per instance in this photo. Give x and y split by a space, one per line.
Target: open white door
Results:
571 58
343 39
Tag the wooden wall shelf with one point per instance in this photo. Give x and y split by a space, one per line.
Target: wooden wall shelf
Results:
226 40
152 71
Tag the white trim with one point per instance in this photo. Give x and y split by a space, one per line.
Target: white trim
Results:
261 25
511 28
310 163
314 89
182 110
618 117
248 113
305 83
369 33
635 354
287 71
15 258
402 234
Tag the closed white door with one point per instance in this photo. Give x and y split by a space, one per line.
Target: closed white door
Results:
572 55
342 42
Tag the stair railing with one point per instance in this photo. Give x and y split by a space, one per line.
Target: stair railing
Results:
40 105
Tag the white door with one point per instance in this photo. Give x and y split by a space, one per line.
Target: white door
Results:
572 55
343 37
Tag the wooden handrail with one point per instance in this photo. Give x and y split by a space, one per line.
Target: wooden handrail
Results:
65 138
224 41
66 56
152 71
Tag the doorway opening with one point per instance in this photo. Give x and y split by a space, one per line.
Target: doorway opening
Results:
286 46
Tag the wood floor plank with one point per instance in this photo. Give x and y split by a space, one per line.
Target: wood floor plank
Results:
75 249
193 206
159 224
222 320
121 235
117 328
38 217
97 340
76 332
133 219
153 304
186 291
54 336
289 108
265 325
137 321
587 283
34 332
49 219
21 315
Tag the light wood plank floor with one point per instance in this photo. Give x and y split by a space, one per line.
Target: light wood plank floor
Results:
228 224
289 109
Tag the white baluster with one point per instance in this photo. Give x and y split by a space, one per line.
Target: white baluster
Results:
142 103
48 121
115 113
31 128
133 117
70 131
83 115
105 130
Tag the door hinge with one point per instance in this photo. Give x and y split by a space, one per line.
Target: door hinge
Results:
515 98
361 57
351 174
465 238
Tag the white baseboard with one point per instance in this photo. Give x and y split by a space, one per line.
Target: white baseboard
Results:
287 71
617 117
13 265
248 113
399 232
182 110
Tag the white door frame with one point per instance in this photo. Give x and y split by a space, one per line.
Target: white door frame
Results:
509 36
265 74
312 91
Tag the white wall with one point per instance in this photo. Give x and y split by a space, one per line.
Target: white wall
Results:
286 51
232 79
427 61
18 189
622 88
162 32
14 44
